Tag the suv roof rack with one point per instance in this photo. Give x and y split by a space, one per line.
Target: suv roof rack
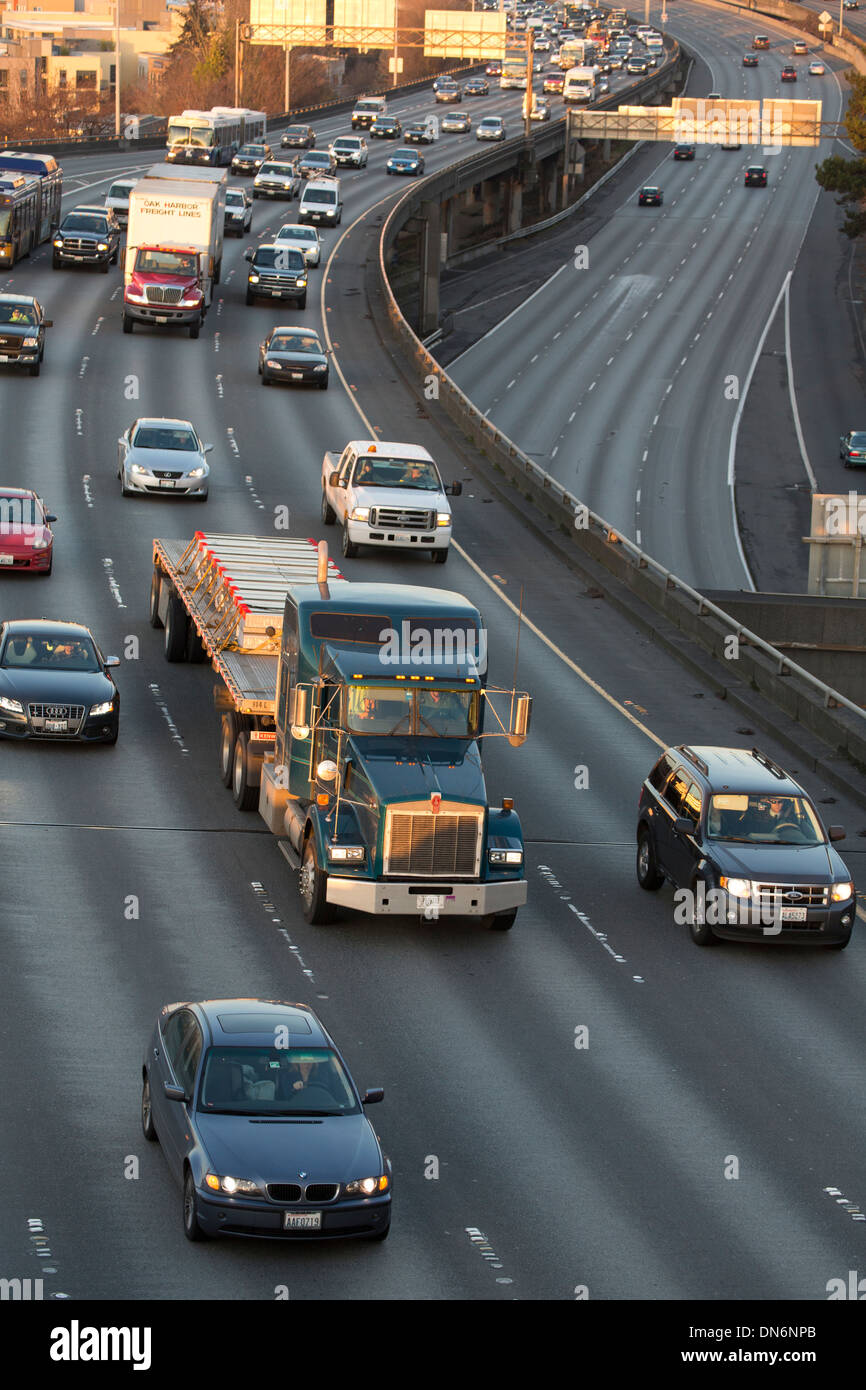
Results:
769 764
693 758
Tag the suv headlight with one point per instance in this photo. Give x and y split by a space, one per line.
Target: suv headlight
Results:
841 892
11 706
254 279
233 1186
356 853
737 887
302 282
505 856
366 1187
30 342
360 514
105 708
58 242
102 246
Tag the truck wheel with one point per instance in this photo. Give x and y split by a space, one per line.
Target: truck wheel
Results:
155 619
34 367
249 297
196 651
244 794
176 630
350 549
501 921
229 730
439 557
329 516
127 324
195 329
302 303
312 886
103 269
56 262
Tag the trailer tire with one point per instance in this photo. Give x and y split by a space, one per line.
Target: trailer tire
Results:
176 630
229 730
313 887
155 619
501 921
196 651
244 793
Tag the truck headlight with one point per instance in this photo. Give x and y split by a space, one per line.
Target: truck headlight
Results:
360 514
11 706
356 853
102 246
505 856
443 518
254 279
188 303
302 283
737 887
105 708
58 242
30 342
135 294
841 892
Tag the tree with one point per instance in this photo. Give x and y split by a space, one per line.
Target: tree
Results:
847 177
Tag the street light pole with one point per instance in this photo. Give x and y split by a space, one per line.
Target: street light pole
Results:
117 69
288 106
396 32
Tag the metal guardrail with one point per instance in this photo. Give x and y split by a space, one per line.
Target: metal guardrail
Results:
617 553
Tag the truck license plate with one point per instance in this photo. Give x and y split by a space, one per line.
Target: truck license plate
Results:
160 318
7 559
793 914
430 902
302 1220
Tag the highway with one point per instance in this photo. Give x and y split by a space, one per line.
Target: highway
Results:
133 881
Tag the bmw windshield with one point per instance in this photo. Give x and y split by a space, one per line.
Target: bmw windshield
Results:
275 1081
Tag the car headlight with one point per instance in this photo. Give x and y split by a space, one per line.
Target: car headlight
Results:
841 892
360 514
736 887
288 183
320 367
366 1187
346 852
30 342
197 472
58 242
138 468
443 518
102 246
40 543
105 708
277 366
505 856
234 1186
11 706
254 279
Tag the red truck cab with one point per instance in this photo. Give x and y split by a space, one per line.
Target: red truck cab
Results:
163 287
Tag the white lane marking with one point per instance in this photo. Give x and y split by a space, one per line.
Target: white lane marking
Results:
108 566
79 426
99 322
792 393
88 495
511 383
270 908
255 496
176 736
571 416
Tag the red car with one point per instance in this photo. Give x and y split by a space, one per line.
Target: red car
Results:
494 69
789 74
554 83
26 540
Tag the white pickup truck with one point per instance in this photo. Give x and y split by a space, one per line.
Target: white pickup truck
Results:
387 494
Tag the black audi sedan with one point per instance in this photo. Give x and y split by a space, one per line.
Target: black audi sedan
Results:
295 356
55 683
262 1125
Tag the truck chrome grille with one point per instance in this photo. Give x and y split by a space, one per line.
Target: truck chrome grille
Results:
402 519
163 294
421 845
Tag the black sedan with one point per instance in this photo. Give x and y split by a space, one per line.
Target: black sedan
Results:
852 448
750 60
419 135
386 128
298 137
650 197
684 151
477 87
262 1125
55 683
405 162
756 177
250 158
295 356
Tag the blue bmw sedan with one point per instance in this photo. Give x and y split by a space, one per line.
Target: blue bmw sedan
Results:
262 1125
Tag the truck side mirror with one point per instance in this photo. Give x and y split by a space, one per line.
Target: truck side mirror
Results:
248 254
520 720
47 323
454 489
684 826
298 713
334 480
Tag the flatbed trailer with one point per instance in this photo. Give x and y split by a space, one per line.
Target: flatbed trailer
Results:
220 598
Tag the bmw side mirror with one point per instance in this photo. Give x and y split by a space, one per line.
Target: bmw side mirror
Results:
836 832
111 661
173 1092
373 1096
683 826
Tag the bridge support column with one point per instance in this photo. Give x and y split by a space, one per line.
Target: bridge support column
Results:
514 212
430 217
491 195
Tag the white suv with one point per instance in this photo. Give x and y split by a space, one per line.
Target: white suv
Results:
321 201
304 239
350 149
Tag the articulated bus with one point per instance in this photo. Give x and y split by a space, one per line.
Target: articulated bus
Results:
215 136
513 74
49 175
20 200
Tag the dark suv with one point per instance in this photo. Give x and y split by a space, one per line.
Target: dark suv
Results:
276 272
22 331
745 847
87 236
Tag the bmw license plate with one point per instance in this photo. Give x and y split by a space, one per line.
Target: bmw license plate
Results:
56 726
7 559
166 482
793 914
302 1220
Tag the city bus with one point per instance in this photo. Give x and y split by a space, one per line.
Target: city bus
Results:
213 137
20 201
49 175
513 74
577 53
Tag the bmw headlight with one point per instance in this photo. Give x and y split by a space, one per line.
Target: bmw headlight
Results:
366 1187
841 892
737 887
105 708
11 706
243 1187
513 857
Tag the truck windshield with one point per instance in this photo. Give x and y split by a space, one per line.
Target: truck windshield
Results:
84 222
763 819
389 709
166 263
402 473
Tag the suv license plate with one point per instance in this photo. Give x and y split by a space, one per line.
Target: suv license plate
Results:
56 726
793 914
3 357
302 1220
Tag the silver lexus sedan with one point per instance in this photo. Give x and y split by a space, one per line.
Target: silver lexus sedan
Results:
157 455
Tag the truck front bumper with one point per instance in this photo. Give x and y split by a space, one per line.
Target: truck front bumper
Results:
361 533
431 899
161 314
